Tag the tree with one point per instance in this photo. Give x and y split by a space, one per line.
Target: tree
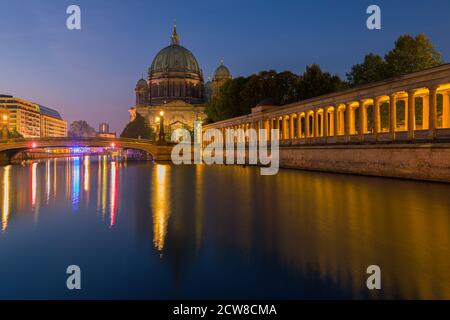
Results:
138 128
373 69
237 96
315 82
81 129
228 102
288 87
411 54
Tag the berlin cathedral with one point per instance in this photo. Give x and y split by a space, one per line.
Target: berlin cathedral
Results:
175 86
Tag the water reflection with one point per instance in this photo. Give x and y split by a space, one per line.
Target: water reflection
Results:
33 184
231 231
161 204
5 196
47 177
104 184
113 192
76 183
87 163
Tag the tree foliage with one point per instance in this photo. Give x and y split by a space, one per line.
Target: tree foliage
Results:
371 70
81 128
315 82
138 129
410 54
237 96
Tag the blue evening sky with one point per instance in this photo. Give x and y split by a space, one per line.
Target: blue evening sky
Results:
91 74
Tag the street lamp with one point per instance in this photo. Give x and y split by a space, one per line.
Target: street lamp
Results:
160 120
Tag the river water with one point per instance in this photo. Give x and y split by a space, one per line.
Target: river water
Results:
143 230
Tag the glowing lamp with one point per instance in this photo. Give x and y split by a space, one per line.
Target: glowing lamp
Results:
113 144
161 113
157 119
5 117
33 145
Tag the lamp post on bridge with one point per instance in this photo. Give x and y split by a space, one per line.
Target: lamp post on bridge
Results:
161 135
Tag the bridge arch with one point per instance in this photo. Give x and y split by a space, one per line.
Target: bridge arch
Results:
13 146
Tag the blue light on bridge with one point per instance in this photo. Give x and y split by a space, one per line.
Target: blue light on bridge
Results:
80 150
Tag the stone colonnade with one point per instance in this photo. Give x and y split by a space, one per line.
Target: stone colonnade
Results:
417 110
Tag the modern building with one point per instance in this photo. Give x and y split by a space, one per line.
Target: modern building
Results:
103 127
52 124
31 120
175 86
4 124
103 131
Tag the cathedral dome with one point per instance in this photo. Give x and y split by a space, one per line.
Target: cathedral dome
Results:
175 58
222 72
175 75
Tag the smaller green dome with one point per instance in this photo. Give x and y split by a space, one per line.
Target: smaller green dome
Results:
222 72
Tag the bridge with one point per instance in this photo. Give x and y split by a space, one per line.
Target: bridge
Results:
10 147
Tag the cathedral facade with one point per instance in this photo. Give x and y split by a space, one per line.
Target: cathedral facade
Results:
175 89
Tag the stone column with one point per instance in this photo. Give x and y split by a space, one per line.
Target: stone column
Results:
282 123
446 110
411 113
433 112
336 120
316 123
307 129
352 120
392 115
331 123
273 126
348 119
425 112
291 127
299 125
362 118
376 116
260 126
325 122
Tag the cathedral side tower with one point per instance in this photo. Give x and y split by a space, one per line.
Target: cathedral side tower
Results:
221 75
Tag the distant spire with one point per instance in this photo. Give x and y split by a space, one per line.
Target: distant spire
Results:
221 62
175 39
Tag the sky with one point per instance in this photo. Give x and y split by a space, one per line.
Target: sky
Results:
90 74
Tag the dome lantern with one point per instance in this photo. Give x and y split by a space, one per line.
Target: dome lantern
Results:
175 39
